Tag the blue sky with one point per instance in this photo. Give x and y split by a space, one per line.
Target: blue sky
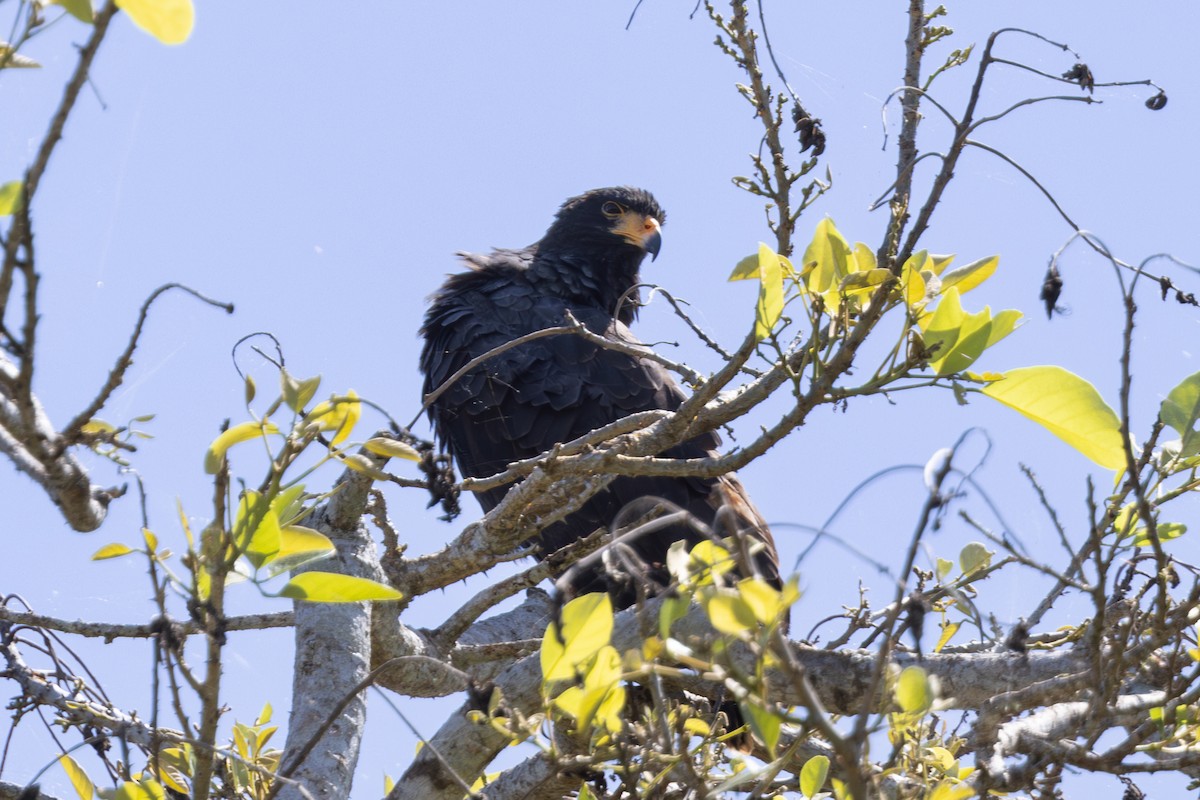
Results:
319 169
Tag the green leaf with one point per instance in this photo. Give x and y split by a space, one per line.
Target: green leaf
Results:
114 550
770 292
79 779
243 432
813 774
961 337
600 694
1181 410
169 21
587 624
765 724
913 691
330 587
297 394
10 193
382 446
79 9
1067 406
1166 532
974 556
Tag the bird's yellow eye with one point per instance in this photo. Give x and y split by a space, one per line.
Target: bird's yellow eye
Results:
611 210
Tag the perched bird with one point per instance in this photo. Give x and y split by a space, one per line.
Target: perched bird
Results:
521 402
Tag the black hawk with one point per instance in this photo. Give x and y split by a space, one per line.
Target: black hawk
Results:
521 402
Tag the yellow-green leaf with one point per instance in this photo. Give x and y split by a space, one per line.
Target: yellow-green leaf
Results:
339 414
151 539
829 255
169 21
949 790
10 193
745 269
256 528
913 692
113 550
297 394
242 432
144 789
587 624
948 631
770 292
763 599
80 781
1181 410
765 724
696 727
968 276
707 559
391 448
974 556
1067 406
297 546
728 612
79 9
1166 532
97 426
330 587
813 774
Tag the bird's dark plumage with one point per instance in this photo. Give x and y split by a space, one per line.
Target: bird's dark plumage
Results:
522 402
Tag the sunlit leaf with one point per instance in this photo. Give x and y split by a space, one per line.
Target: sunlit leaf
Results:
298 546
94 427
913 691
1181 410
770 292
329 587
696 727
728 612
709 558
813 774
391 448
169 21
974 556
948 631
242 432
113 550
256 528
829 253
1067 406
145 789
587 624
763 600
339 414
968 276
745 269
10 193
151 539
949 790
80 781
297 394
1166 532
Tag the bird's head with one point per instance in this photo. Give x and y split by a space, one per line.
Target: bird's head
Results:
614 220
592 251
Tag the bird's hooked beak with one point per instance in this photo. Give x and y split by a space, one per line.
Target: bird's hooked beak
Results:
643 231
